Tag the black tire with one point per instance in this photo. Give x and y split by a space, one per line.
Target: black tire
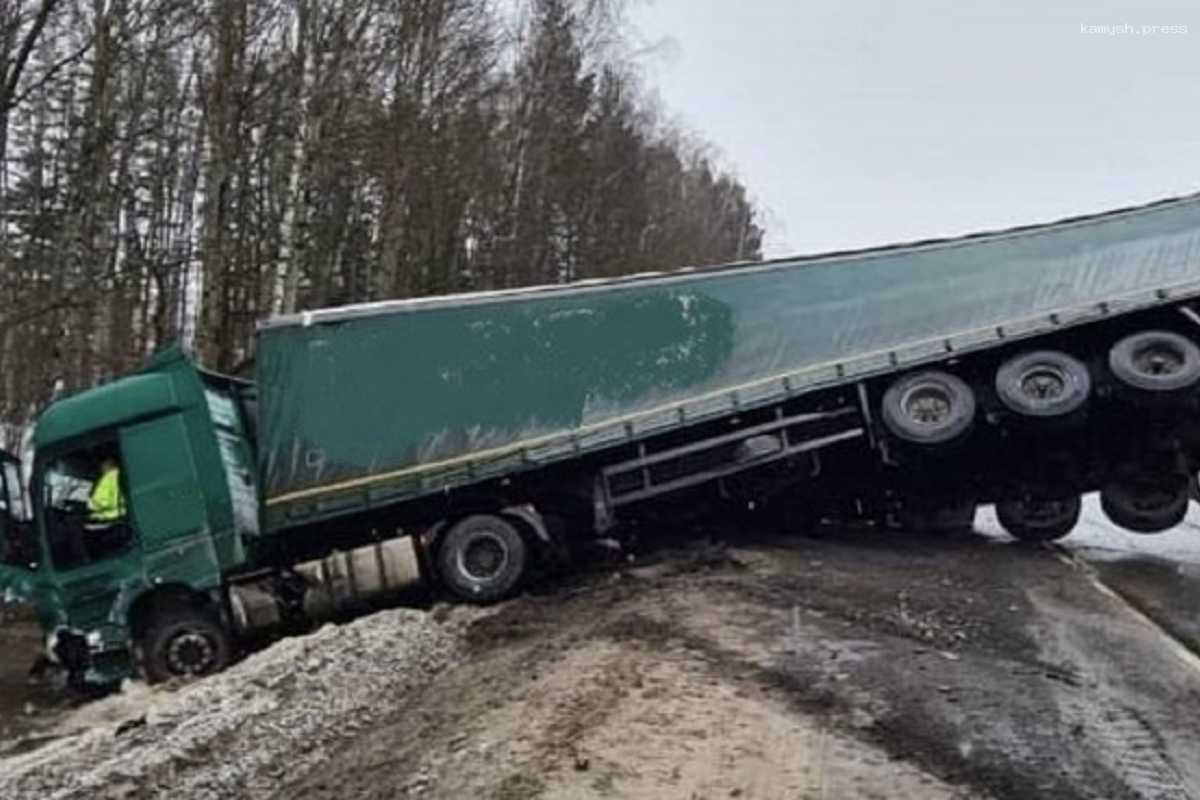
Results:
184 643
1043 384
1031 519
1146 503
928 408
1155 363
482 558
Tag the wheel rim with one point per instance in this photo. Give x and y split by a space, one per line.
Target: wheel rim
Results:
927 404
1043 383
484 557
1159 360
191 653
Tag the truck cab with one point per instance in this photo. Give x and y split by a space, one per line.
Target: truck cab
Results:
187 502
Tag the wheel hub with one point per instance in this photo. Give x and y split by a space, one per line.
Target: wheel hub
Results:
484 557
1158 360
1043 383
928 405
190 653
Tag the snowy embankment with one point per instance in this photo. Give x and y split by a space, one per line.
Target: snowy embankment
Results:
270 718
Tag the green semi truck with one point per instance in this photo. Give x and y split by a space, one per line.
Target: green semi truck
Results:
455 444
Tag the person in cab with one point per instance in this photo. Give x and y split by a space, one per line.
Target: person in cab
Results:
106 504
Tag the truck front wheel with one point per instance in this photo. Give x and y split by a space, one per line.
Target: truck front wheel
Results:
184 643
482 558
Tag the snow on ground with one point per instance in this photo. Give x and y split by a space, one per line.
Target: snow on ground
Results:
1097 539
269 718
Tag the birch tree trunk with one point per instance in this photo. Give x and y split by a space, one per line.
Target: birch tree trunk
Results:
295 210
228 25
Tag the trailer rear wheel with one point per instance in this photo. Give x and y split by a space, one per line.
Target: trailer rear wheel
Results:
1146 503
1031 519
1043 384
1155 363
928 408
482 558
184 642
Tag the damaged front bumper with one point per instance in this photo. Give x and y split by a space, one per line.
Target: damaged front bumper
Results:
96 657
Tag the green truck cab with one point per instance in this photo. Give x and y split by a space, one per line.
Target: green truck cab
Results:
186 472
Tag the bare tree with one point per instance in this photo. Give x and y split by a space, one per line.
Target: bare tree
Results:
176 171
20 30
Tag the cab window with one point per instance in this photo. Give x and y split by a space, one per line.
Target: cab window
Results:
84 503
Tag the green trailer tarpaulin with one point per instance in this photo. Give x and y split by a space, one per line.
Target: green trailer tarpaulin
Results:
405 396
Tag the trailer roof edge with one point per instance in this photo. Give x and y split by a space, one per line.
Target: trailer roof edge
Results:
357 310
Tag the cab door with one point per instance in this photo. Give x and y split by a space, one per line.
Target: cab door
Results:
168 503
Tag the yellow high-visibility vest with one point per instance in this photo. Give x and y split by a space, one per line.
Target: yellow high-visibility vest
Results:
106 503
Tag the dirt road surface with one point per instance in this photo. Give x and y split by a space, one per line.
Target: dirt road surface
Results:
858 665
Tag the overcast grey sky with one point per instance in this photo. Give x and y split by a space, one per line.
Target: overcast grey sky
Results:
858 122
